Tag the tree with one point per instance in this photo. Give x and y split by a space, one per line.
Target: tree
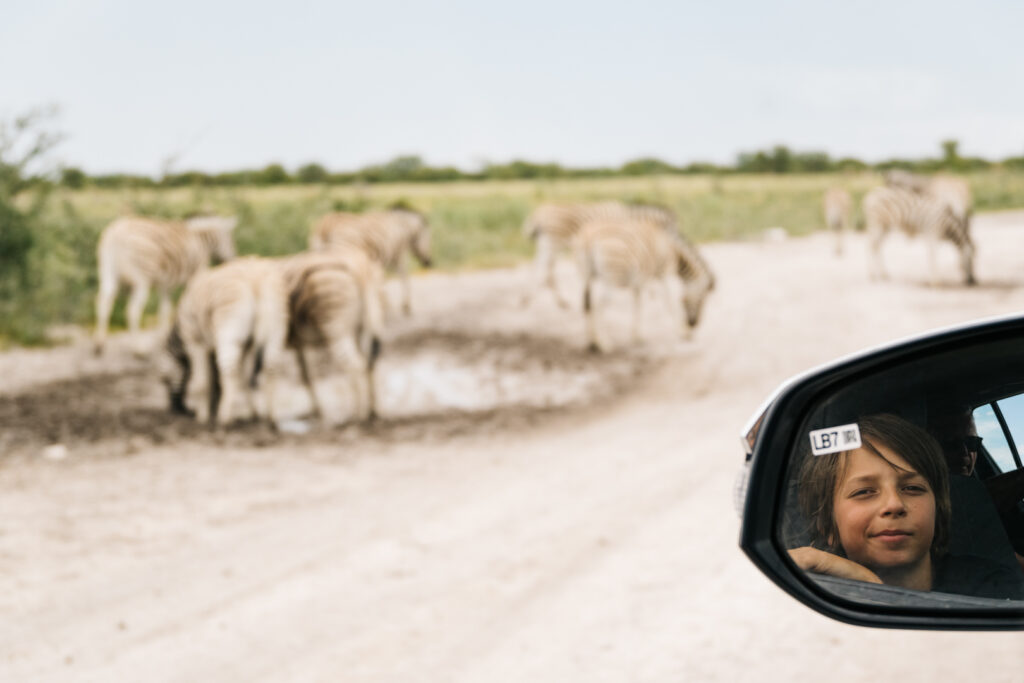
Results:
25 141
950 153
647 166
73 178
273 174
311 173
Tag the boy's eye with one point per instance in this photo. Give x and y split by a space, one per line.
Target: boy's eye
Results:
916 488
861 492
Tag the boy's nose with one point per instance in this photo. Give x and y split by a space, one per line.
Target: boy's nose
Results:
892 504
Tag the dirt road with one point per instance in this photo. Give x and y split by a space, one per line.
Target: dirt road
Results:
523 512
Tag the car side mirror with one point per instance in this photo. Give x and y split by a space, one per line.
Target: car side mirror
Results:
887 489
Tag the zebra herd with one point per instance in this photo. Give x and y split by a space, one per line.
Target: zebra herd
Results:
936 208
227 342
234 322
226 345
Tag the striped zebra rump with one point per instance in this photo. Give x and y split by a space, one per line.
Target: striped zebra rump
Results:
317 290
321 236
888 208
230 326
952 191
331 295
334 304
558 222
165 253
626 252
384 236
561 222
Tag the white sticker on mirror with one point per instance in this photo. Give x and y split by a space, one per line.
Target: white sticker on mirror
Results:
835 439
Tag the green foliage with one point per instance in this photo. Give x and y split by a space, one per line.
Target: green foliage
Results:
647 166
15 243
474 224
522 170
311 173
273 174
73 178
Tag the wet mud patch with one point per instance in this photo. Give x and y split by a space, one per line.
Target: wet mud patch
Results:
431 385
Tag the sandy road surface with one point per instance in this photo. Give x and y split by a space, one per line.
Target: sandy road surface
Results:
523 512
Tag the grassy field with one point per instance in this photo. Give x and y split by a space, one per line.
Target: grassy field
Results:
475 224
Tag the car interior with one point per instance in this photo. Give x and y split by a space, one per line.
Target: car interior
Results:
987 380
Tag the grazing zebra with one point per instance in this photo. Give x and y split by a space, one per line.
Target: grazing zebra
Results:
552 228
889 208
334 305
837 214
632 253
955 192
146 252
385 236
231 326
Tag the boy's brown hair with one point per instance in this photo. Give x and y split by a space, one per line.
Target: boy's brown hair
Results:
820 475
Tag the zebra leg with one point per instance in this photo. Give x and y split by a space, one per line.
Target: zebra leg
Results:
875 236
403 274
165 311
104 305
308 382
271 356
345 353
136 305
551 282
967 263
538 276
252 374
638 299
198 389
593 345
229 363
933 268
966 249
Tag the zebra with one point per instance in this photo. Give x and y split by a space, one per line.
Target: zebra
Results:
887 208
632 253
385 236
147 252
230 327
837 214
552 228
955 192
334 305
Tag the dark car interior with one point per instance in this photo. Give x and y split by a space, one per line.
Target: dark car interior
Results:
983 380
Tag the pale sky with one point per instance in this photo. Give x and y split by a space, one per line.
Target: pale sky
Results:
227 86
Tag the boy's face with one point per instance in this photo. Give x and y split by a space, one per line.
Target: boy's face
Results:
885 516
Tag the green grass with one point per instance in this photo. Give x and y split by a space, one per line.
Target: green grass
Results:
475 224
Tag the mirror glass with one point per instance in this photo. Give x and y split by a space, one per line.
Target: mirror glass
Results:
906 486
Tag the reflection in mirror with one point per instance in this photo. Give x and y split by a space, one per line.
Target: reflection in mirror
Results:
906 486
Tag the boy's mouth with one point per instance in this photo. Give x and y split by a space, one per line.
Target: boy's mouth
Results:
893 534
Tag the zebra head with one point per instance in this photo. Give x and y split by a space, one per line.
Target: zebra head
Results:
693 301
217 233
419 239
698 280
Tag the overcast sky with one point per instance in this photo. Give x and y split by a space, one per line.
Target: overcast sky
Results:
222 86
